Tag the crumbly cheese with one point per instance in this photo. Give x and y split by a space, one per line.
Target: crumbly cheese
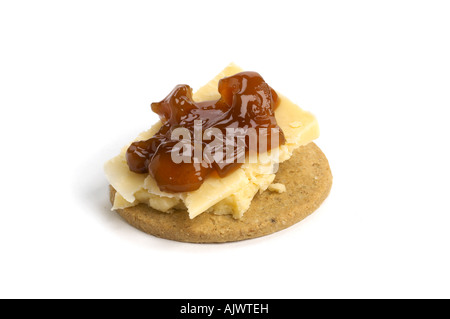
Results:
277 187
229 195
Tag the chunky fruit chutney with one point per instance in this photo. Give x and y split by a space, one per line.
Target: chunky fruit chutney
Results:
247 104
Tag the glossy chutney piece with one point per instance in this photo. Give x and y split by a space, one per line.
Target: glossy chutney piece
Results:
247 105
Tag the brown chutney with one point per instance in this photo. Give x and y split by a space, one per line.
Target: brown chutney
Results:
247 104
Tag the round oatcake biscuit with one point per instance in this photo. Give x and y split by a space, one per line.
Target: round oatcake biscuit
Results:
307 178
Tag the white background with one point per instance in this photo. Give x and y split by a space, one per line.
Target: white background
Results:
76 82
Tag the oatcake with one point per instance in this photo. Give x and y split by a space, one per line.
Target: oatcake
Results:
307 177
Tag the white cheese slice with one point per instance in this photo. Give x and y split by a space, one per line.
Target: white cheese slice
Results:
125 182
213 190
